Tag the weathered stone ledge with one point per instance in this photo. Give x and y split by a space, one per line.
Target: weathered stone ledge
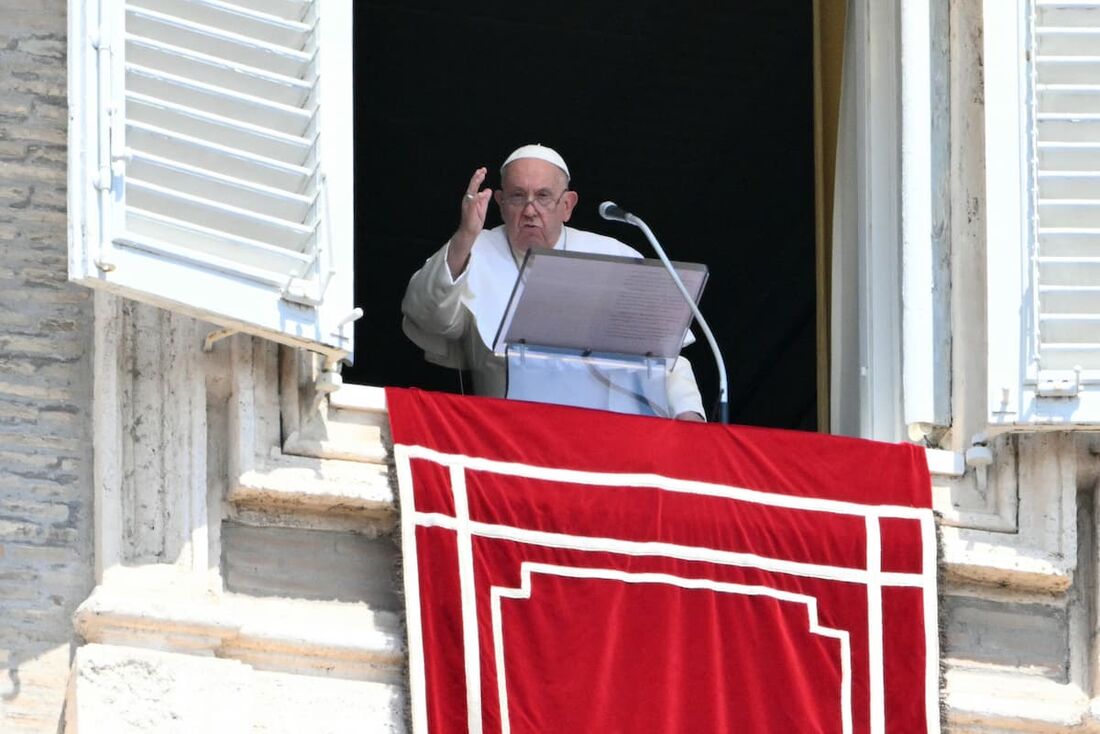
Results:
316 486
344 640
998 700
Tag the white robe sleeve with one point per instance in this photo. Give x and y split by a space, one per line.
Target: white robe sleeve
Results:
683 392
435 318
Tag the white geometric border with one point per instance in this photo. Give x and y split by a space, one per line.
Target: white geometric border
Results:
872 577
527 568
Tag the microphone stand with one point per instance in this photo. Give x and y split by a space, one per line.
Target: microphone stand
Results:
613 212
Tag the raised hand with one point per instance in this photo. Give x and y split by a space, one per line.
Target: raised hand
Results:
475 204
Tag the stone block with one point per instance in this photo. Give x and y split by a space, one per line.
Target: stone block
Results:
16 414
12 150
122 689
10 389
54 112
15 196
1011 634
310 564
119 689
51 47
294 703
31 442
18 530
47 197
33 675
37 512
41 345
14 107
39 226
22 19
18 586
26 173
34 297
41 555
35 85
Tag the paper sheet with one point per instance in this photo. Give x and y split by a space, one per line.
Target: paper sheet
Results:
599 303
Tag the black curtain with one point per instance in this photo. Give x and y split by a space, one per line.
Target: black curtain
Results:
696 116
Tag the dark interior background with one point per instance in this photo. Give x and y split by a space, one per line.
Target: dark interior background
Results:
696 116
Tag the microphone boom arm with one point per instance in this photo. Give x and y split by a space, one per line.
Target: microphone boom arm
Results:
611 211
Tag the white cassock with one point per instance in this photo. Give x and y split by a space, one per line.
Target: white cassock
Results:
454 320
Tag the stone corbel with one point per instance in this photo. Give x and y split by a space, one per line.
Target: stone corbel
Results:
1011 518
324 418
982 496
332 460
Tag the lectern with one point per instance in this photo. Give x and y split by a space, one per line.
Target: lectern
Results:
595 331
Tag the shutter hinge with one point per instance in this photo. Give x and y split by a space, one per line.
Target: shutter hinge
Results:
1062 384
302 291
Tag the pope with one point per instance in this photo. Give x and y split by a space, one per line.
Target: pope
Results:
455 302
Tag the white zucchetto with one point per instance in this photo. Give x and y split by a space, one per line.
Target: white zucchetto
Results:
541 152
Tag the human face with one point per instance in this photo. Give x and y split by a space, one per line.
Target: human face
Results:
529 225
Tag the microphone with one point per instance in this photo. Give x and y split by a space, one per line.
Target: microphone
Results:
611 211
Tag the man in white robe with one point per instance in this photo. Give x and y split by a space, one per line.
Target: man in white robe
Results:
455 302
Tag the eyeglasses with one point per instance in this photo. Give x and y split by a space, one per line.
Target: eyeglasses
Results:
544 201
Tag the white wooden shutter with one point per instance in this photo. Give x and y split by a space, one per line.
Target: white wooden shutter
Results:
1043 194
211 161
1067 82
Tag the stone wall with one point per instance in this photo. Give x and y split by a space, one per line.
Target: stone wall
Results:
45 378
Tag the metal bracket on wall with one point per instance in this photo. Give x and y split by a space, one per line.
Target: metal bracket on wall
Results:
214 337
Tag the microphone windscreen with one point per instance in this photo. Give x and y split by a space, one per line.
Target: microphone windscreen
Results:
612 211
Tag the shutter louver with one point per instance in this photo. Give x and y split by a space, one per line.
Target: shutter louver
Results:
1066 74
230 195
253 73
